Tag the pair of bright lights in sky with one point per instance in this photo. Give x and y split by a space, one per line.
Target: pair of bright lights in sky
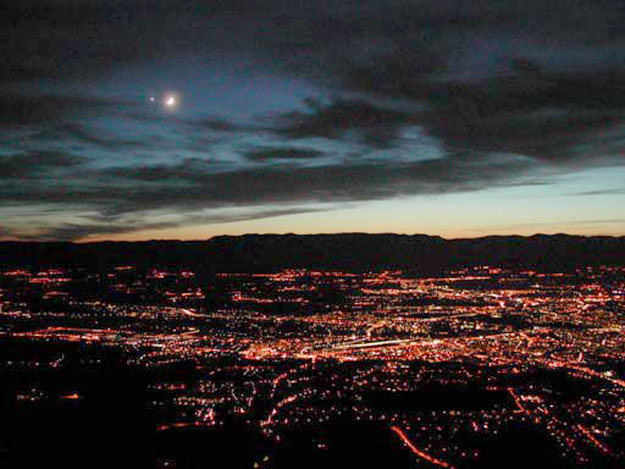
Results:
169 100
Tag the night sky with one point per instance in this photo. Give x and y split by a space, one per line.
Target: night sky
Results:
182 119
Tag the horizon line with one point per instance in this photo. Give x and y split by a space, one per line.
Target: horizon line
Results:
345 233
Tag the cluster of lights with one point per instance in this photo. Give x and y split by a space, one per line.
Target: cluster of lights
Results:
499 323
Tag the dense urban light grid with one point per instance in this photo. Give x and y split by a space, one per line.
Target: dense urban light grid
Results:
444 361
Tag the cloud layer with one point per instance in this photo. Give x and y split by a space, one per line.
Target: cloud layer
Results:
410 98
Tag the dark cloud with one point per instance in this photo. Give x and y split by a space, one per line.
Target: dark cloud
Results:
185 170
220 125
373 125
19 109
611 191
192 185
109 226
542 116
282 153
36 164
73 133
210 123
83 38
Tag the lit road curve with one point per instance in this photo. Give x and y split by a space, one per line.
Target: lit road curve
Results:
437 462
